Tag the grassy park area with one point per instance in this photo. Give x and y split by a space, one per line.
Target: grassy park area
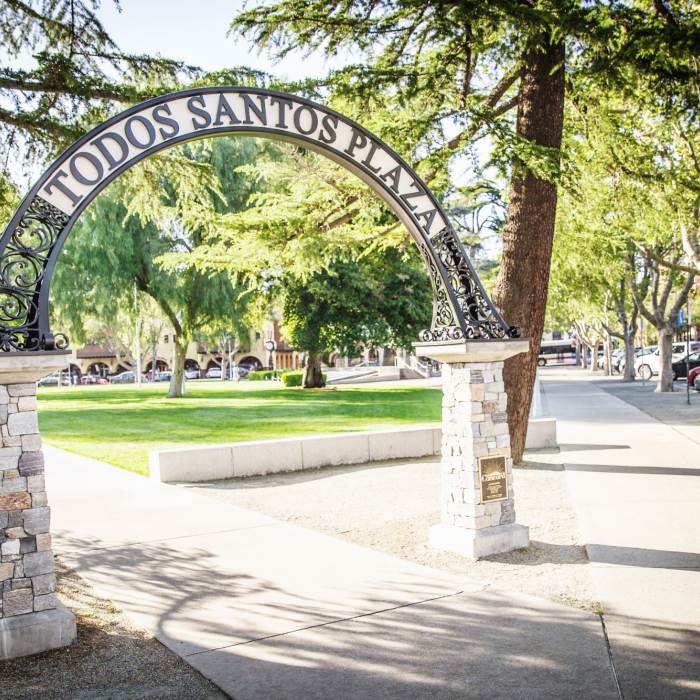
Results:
119 425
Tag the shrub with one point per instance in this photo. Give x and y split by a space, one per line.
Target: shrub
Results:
294 378
265 375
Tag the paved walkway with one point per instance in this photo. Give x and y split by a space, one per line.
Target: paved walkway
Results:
267 609
635 485
270 610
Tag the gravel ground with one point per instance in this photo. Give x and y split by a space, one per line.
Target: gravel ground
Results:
110 659
390 506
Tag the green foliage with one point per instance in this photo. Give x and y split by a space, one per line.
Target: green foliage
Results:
76 73
264 375
629 196
8 199
429 69
340 281
294 218
294 378
436 78
382 300
290 379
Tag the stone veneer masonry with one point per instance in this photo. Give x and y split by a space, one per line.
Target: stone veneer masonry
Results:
27 580
474 425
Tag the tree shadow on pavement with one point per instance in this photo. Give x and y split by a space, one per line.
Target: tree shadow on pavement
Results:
609 468
649 558
262 639
582 447
655 660
259 639
111 658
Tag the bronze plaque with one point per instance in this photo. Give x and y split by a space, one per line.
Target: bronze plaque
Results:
493 478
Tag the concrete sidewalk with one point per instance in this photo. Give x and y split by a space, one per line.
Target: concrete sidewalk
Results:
635 485
270 610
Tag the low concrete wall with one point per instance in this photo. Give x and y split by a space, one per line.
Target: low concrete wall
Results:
541 433
292 454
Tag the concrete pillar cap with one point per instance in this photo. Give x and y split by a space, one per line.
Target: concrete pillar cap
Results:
454 351
27 367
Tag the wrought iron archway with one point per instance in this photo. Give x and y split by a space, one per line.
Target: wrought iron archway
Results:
31 243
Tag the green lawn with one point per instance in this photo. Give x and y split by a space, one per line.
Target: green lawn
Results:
120 425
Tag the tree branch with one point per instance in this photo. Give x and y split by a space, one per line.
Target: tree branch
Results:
102 93
660 260
25 121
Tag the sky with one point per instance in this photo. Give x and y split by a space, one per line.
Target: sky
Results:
195 31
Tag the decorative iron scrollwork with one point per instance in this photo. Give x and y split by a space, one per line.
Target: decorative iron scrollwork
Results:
479 318
22 267
444 325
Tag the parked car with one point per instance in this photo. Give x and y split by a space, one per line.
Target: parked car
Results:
247 368
615 356
52 380
648 365
214 373
163 376
126 378
638 352
696 382
692 376
191 374
93 379
601 359
242 372
679 367
616 359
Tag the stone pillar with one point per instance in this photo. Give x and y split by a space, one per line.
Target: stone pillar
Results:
31 619
478 515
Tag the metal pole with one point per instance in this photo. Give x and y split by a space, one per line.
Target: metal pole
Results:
687 350
224 357
230 358
641 331
138 338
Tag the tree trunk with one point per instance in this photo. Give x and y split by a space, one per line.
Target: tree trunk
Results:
594 356
629 357
523 279
154 363
665 383
607 357
629 331
313 375
177 380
